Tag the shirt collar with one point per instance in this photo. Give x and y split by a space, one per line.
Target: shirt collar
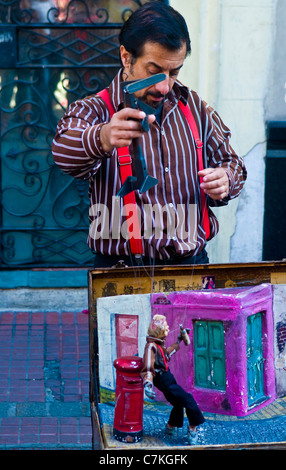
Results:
152 339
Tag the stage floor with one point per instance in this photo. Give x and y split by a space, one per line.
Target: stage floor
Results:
264 428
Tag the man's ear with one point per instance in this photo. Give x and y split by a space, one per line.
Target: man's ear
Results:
125 57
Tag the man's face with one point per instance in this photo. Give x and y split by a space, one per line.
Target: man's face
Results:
154 59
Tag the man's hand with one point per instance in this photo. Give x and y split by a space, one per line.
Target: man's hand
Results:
148 388
122 128
215 182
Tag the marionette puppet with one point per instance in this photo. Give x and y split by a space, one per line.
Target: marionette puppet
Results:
156 372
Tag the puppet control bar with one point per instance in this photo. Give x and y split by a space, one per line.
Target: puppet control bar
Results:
142 181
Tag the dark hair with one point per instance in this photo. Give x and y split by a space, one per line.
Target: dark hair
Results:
157 23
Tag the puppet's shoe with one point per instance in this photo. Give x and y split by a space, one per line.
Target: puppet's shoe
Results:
170 430
192 437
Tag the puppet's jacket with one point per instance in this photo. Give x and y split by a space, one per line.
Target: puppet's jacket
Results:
156 357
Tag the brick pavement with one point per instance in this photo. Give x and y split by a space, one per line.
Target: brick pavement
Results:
44 391
44 380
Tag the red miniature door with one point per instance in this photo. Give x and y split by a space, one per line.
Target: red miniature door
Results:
126 327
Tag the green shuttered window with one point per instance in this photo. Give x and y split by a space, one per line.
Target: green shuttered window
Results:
255 359
209 354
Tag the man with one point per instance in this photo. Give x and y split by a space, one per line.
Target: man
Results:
154 40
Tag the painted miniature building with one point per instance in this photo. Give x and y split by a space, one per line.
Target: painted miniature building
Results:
229 365
122 325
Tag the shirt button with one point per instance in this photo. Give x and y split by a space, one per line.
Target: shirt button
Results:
171 204
166 169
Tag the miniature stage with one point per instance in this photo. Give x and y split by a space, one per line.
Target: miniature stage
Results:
234 366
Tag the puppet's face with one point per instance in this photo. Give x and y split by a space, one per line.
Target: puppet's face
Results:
159 327
166 329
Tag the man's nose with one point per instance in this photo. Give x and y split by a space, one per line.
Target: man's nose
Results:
163 87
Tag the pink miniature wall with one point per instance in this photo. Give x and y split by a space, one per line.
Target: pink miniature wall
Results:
232 307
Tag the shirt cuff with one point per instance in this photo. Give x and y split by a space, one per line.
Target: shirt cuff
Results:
91 142
230 179
148 378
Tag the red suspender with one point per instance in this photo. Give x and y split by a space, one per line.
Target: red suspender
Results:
190 118
163 355
124 160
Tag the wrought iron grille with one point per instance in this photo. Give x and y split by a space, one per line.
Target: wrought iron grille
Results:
52 53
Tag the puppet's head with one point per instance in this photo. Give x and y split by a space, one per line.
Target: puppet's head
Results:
158 327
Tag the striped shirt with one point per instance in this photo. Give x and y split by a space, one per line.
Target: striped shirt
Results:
170 212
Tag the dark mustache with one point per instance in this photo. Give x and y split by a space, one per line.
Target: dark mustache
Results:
155 95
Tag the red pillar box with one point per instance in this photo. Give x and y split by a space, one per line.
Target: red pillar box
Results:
128 415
